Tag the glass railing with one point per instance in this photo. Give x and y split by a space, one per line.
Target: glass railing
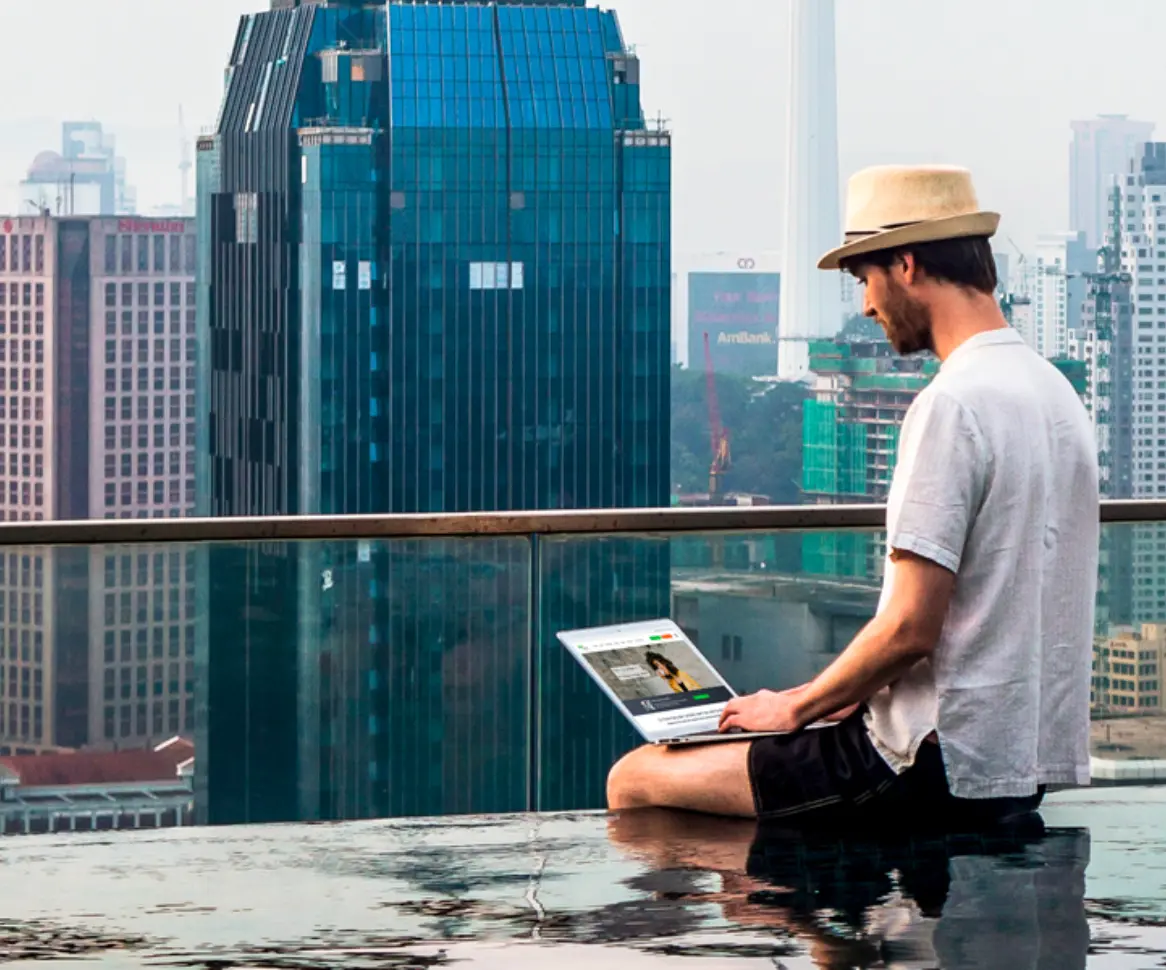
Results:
229 671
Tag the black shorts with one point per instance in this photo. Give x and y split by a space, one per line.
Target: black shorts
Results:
833 778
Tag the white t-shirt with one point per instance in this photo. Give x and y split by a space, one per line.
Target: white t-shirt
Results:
997 480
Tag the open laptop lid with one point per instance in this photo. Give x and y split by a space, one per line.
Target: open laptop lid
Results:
654 674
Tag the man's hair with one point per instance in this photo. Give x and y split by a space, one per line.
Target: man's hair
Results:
966 262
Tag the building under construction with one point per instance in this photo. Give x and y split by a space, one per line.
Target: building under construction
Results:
850 436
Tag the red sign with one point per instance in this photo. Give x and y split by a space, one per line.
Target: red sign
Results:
151 225
8 225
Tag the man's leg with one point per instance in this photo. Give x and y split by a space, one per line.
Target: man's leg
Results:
711 778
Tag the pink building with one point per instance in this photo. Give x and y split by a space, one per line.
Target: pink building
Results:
97 412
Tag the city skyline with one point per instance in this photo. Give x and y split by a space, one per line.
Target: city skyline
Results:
941 102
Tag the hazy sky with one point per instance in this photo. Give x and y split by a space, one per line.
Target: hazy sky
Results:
991 84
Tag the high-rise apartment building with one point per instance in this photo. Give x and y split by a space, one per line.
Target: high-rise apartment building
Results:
435 260
1144 261
1058 291
1101 150
97 353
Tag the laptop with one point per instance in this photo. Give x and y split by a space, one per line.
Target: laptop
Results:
660 681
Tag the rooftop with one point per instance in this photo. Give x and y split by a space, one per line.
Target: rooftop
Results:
647 890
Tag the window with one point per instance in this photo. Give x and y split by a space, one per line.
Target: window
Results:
159 254
246 217
127 254
110 256
175 254
143 254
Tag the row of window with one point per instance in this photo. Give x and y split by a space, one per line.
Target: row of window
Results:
20 494
22 351
23 569
143 381
128 677
22 294
22 728
160 465
170 566
25 645
23 683
162 493
21 608
127 438
143 295
126 725
26 322
21 436
171 253
179 352
22 253
127 322
22 466
144 409
28 380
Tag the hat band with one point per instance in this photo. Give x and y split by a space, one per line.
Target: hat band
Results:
860 234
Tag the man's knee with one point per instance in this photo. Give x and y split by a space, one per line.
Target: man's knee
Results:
629 781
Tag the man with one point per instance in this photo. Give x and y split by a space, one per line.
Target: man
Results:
968 693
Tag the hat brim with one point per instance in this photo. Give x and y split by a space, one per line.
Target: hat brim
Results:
934 230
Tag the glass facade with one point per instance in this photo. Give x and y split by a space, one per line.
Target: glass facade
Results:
437 278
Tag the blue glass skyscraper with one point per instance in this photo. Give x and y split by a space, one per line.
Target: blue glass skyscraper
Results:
435 277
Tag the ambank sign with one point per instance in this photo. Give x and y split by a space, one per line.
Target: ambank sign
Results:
744 337
739 313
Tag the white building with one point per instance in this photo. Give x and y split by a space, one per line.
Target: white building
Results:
1058 291
811 301
1144 258
1102 149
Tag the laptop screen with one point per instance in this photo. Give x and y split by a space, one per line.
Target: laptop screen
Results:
662 681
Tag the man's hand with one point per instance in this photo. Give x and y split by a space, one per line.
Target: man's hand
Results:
765 711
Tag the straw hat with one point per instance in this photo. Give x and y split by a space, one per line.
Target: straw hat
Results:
895 205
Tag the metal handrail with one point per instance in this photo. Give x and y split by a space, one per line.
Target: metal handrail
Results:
603 522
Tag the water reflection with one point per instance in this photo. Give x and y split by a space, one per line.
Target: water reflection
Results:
1010 898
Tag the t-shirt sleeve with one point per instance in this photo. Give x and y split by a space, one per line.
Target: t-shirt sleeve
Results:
939 481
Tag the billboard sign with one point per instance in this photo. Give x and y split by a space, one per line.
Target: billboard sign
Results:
739 312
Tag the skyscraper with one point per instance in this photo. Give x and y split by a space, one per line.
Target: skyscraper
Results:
436 269
96 421
1102 150
1143 260
811 301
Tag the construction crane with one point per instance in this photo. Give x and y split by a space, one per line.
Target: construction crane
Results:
722 458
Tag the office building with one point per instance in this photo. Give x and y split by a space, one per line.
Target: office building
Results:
735 316
96 421
1058 291
435 259
811 303
1101 151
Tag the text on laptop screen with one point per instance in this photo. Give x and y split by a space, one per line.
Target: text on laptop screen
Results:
651 674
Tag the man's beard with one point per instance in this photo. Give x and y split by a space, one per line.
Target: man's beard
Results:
907 323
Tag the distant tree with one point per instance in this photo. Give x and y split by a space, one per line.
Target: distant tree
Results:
764 422
859 327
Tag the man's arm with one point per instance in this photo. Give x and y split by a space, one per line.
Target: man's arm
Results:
903 633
